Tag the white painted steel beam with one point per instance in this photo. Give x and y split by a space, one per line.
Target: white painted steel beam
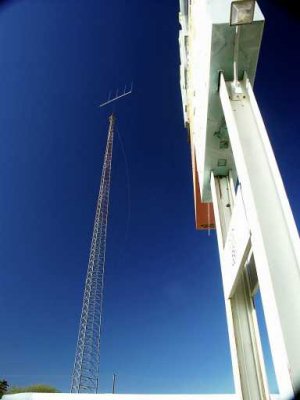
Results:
237 245
246 353
208 49
274 236
257 236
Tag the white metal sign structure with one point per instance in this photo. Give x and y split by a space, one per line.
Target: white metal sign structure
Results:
236 170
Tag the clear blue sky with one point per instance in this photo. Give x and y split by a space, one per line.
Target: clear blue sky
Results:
164 322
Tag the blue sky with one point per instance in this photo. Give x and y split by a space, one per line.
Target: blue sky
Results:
164 327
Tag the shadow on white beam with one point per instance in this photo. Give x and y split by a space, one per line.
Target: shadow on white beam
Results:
71 396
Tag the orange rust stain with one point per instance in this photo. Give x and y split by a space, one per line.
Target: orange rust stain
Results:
204 212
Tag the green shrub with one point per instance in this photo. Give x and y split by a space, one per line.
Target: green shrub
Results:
39 388
3 387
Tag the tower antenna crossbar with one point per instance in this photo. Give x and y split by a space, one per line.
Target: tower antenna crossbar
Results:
86 366
118 96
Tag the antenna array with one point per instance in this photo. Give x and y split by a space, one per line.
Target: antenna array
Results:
117 96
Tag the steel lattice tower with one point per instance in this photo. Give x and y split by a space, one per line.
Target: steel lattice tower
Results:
86 366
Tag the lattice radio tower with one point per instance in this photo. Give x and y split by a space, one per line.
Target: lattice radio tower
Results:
86 367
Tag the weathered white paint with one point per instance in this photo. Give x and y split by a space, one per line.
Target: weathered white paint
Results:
274 236
257 236
208 48
246 353
237 245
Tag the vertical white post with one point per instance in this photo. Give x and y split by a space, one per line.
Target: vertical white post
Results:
248 367
274 236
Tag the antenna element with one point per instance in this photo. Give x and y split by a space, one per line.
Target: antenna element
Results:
117 96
